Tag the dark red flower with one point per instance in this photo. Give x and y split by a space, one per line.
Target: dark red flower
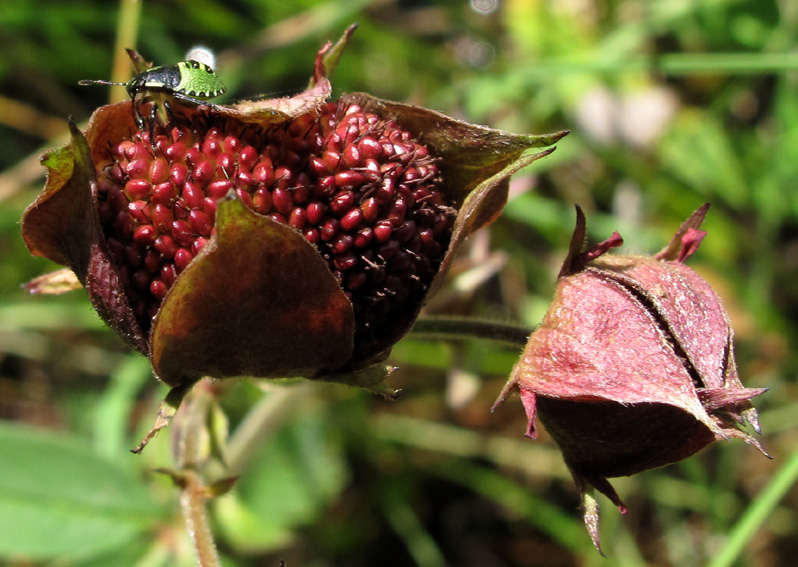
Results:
633 366
290 237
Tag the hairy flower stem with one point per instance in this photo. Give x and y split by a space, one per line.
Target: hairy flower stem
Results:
461 328
188 451
192 501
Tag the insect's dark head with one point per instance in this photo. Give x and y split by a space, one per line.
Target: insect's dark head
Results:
134 86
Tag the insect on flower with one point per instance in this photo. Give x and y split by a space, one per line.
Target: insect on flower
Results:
191 81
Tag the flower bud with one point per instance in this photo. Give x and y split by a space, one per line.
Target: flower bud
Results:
633 367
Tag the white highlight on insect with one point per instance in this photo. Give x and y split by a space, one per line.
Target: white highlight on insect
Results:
203 55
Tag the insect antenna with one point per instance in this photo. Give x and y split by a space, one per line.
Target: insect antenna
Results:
86 82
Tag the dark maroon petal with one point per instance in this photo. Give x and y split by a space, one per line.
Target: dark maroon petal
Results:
291 316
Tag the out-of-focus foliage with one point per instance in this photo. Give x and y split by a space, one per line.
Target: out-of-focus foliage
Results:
670 103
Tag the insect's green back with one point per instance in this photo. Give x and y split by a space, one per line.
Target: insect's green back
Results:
199 80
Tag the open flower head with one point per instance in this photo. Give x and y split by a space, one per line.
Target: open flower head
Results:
633 366
291 237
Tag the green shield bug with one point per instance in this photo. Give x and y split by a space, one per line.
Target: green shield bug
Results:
191 81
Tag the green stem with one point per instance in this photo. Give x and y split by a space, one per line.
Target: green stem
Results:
127 29
465 328
757 513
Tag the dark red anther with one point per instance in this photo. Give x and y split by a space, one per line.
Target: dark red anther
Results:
329 228
178 173
182 258
245 180
200 222
388 250
370 209
264 172
369 148
282 201
162 217
211 146
176 152
139 211
159 171
352 156
325 186
209 208
137 168
301 192
349 178
317 167
384 194
404 231
182 232
363 237
298 218
168 274
136 189
342 243
158 288
332 159
193 156
352 220
345 261
192 195
262 201
198 244
163 193
399 262
227 162
382 231
166 245
397 211
284 176
247 159
231 144
126 148
342 202
219 188
202 173
117 174
316 212
312 235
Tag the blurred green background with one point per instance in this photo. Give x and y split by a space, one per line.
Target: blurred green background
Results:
671 103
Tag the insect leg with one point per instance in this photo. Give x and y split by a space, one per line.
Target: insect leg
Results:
170 115
153 111
136 107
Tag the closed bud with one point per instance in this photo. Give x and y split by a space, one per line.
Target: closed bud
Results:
633 366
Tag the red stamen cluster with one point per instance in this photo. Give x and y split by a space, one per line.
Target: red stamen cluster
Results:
360 189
